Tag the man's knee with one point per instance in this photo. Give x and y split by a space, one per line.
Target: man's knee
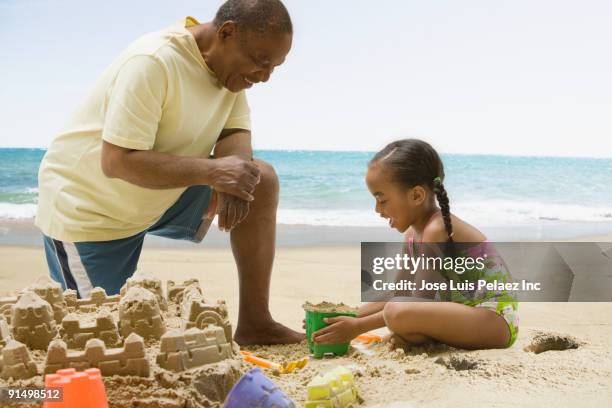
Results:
268 185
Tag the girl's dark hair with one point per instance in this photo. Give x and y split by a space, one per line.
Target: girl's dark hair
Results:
413 162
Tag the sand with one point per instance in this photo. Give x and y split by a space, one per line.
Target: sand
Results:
575 372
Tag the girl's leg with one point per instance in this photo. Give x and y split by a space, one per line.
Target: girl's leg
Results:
451 323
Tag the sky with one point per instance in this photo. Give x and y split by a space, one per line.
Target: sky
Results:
518 77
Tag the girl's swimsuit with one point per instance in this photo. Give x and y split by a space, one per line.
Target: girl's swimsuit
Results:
502 302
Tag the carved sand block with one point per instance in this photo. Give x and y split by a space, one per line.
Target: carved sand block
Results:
76 334
180 351
97 298
139 313
175 290
6 307
148 282
5 333
197 312
127 360
16 362
51 292
32 321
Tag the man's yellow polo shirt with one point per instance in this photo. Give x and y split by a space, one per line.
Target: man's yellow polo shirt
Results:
159 95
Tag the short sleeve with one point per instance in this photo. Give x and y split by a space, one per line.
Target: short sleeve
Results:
135 102
240 117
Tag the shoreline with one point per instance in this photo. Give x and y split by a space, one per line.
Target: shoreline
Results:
23 233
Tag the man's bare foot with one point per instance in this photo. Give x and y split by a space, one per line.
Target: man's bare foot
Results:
267 334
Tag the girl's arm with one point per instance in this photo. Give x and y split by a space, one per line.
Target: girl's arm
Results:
371 322
369 308
343 329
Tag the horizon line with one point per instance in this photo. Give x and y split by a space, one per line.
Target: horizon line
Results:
374 151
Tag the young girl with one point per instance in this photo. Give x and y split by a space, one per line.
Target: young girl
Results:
406 179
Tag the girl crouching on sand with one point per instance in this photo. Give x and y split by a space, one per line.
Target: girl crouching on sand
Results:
406 179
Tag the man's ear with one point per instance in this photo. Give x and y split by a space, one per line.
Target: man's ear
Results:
418 195
227 30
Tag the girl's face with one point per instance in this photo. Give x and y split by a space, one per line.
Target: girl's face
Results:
398 204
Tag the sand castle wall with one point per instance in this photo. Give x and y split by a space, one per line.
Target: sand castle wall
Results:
96 299
127 360
194 347
76 333
5 333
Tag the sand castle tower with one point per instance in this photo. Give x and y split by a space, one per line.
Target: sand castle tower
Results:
33 322
198 312
51 292
139 313
15 362
149 282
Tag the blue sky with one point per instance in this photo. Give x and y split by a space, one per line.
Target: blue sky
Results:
473 76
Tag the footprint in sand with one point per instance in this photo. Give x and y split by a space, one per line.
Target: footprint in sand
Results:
550 341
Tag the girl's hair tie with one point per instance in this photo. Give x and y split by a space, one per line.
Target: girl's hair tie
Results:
437 180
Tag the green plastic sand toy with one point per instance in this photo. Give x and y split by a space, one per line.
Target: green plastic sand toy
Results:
314 322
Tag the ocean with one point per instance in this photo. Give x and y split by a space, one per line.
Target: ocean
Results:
328 188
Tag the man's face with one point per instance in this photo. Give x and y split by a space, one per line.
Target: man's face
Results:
249 57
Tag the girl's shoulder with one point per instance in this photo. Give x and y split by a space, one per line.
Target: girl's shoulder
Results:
436 231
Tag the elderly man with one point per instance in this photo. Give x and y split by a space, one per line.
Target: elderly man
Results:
137 157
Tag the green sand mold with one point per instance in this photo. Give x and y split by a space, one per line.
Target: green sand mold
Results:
314 321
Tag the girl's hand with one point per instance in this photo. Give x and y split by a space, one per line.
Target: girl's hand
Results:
341 329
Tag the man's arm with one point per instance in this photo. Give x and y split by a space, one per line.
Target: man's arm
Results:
234 142
231 210
156 170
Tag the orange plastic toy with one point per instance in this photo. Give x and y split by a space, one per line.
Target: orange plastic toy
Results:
287 367
80 389
368 338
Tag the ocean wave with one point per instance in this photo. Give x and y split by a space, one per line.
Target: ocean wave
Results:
17 211
492 213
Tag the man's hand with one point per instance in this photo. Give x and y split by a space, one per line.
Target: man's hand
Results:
341 329
235 176
231 210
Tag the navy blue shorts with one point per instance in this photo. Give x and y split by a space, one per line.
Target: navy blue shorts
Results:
83 266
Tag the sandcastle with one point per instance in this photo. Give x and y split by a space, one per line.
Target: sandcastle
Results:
32 321
149 282
5 332
117 335
127 360
51 292
193 348
6 307
174 292
76 334
15 361
197 312
97 298
139 313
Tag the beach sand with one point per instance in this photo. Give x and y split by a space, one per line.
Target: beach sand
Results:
424 377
